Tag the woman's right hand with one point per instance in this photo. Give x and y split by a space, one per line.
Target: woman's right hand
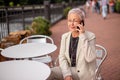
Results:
68 78
80 28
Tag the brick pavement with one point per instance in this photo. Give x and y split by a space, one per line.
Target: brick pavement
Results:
107 34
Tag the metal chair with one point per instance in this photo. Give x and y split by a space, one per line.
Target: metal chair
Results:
1 49
39 39
0 53
101 55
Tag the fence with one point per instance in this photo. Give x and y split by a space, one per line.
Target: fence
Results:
17 18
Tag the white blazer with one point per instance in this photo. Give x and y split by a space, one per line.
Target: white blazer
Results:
85 57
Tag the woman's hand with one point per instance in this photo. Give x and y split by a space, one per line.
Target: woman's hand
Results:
68 78
80 28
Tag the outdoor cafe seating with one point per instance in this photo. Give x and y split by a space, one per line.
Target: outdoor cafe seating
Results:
21 68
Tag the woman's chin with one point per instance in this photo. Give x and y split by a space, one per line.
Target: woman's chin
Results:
74 30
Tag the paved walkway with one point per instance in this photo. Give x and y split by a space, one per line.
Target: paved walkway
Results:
107 34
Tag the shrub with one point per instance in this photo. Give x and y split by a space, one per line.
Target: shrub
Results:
65 12
18 5
117 6
11 4
40 26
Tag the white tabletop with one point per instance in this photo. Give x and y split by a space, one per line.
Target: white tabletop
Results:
28 50
23 70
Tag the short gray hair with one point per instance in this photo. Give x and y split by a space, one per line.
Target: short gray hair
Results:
77 11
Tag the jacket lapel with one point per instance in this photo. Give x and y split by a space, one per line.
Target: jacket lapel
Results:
67 45
78 49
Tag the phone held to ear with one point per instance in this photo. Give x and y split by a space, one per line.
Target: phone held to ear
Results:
78 28
82 23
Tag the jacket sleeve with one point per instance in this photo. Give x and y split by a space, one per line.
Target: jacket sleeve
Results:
88 47
64 65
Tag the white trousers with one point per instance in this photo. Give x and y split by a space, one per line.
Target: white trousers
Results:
104 11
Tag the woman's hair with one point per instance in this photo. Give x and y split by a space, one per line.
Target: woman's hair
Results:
77 11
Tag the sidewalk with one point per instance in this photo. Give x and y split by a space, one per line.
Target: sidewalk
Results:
107 34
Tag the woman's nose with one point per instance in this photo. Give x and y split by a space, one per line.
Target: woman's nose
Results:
72 23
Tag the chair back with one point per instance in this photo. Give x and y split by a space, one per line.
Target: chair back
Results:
101 56
1 57
37 39
1 49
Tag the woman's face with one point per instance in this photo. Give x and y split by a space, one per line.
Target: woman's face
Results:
73 21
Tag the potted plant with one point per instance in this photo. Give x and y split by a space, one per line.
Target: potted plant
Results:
40 26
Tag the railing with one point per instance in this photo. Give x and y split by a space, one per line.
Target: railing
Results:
17 18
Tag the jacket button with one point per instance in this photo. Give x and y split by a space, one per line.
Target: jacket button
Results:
78 71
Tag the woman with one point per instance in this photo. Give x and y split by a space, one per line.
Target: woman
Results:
77 56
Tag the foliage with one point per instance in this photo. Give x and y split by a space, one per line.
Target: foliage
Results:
65 12
118 0
11 4
40 26
23 2
18 5
117 6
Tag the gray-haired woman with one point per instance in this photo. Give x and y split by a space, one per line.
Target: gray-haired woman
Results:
77 58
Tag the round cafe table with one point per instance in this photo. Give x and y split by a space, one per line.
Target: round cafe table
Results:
23 70
28 50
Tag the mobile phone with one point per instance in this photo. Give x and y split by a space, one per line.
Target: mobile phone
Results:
78 28
82 23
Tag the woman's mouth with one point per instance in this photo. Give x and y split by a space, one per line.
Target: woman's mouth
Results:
72 27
